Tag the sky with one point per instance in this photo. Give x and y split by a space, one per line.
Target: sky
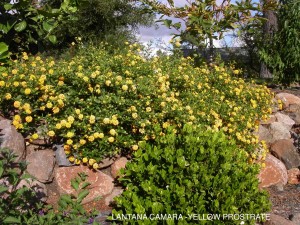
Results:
158 36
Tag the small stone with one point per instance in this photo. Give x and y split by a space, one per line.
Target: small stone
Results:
106 162
285 150
264 134
293 176
274 173
101 184
11 139
284 119
41 165
117 166
60 156
278 220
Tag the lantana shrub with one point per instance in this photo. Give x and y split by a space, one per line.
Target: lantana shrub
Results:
194 172
101 101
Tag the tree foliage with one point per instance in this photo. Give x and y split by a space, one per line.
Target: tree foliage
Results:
107 20
282 54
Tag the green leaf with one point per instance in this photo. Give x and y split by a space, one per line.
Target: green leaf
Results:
53 39
21 26
3 189
3 47
85 184
167 23
47 26
11 219
8 6
75 184
82 195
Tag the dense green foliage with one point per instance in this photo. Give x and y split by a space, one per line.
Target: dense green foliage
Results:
113 21
282 53
104 101
192 172
21 205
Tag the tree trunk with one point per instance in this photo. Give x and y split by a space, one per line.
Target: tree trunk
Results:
269 29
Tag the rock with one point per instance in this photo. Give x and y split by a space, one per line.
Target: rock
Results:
10 138
294 176
274 173
295 116
60 156
101 184
38 187
284 119
106 162
288 99
272 119
278 220
285 150
295 218
117 166
279 131
264 134
41 165
116 192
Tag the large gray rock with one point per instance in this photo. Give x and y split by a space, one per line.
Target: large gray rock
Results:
274 173
285 150
101 184
41 165
10 138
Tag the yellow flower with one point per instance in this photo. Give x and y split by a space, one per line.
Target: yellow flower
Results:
7 96
85 160
60 83
77 161
70 134
80 116
35 136
58 126
95 166
236 72
124 87
135 147
16 83
148 109
111 139
77 111
17 104
91 138
49 105
91 161
2 83
106 120
68 125
82 141
134 115
108 82
92 119
71 119
28 119
55 110
51 133
51 71
101 135
113 132
71 159
69 142
14 71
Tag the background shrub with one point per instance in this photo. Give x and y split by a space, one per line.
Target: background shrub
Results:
193 172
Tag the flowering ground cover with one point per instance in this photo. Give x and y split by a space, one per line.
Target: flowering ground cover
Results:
102 101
